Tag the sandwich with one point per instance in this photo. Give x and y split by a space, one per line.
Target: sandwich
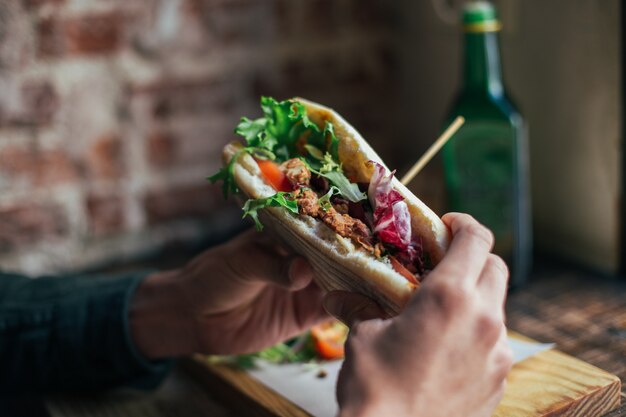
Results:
312 180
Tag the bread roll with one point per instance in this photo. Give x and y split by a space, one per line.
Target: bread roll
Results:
338 263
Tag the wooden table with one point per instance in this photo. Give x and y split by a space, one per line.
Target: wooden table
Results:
584 313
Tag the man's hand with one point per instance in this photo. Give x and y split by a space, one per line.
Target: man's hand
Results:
446 354
239 297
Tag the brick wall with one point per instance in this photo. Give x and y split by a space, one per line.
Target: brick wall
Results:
113 112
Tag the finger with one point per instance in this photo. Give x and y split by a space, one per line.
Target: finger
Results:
256 258
281 250
281 244
300 273
492 283
471 243
308 307
293 273
260 264
253 237
275 242
352 308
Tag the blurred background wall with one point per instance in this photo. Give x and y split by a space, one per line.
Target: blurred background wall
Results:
112 112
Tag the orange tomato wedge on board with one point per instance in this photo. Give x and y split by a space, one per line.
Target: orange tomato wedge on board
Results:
273 175
329 339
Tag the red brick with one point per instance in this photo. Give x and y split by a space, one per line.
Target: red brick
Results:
193 201
84 35
104 160
194 7
162 108
187 97
37 105
28 223
39 168
49 37
162 149
56 167
91 34
40 103
105 213
218 19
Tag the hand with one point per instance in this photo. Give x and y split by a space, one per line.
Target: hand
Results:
446 354
239 297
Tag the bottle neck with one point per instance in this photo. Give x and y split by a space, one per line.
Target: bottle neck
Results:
482 64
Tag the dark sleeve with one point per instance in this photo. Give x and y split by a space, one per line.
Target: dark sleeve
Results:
70 333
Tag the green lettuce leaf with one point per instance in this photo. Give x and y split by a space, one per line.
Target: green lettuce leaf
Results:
346 188
332 140
252 131
283 124
278 136
298 113
280 199
226 173
333 171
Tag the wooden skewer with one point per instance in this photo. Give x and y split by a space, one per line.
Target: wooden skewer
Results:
434 148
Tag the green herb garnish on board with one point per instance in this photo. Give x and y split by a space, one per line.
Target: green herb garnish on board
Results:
299 349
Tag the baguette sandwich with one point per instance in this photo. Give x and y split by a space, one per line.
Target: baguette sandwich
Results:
318 186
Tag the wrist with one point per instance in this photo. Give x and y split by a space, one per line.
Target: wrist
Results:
159 325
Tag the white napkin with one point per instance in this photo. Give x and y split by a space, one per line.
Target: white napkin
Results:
302 386
522 350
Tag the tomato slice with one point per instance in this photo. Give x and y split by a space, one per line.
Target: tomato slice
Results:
273 175
329 339
401 269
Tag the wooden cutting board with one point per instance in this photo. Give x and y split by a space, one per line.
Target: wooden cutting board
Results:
550 384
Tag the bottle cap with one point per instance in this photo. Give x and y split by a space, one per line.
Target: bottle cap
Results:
480 16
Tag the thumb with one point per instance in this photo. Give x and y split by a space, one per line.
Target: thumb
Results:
352 308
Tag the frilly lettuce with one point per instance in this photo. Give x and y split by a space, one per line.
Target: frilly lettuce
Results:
285 131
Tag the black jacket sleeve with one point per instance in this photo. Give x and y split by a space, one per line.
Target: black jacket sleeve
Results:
70 334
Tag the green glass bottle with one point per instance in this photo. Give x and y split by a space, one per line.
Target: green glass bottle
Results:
486 162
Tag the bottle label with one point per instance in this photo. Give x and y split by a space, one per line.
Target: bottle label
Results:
482 179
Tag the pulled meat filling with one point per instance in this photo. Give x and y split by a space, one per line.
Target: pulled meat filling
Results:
343 224
344 217
308 202
296 172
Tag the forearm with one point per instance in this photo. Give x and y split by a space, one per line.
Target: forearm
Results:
69 333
